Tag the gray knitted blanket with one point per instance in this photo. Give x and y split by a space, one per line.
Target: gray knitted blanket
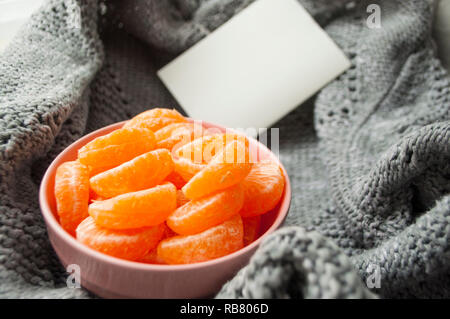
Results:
368 157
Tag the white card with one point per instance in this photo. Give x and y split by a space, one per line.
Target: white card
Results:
255 68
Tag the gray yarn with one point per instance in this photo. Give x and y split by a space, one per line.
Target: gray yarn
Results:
368 158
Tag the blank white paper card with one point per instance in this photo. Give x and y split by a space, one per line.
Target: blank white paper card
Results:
256 68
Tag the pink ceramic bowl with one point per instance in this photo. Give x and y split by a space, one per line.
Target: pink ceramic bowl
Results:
111 277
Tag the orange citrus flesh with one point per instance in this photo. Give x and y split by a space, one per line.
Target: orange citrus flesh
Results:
171 130
148 207
227 168
152 257
263 188
130 244
203 149
142 172
186 168
217 146
213 243
115 148
175 179
194 150
72 194
177 134
168 232
97 170
175 141
155 119
251 229
94 197
181 199
164 190
199 215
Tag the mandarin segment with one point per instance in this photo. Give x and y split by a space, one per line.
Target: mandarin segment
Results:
181 199
263 188
175 141
203 149
176 179
155 119
172 129
97 170
94 197
152 257
176 135
186 168
251 229
194 150
217 146
168 232
115 148
140 173
148 207
72 194
228 168
199 215
130 244
213 243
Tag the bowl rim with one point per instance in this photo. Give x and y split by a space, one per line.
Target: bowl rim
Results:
51 221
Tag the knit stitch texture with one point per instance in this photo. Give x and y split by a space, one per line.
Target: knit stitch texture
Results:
368 157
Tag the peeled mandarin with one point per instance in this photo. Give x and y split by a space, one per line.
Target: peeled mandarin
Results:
72 194
115 148
186 168
203 149
263 188
94 197
175 141
130 244
171 129
199 215
213 243
176 135
142 172
181 199
97 170
155 119
194 150
175 179
152 257
144 208
251 229
217 145
168 232
228 168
